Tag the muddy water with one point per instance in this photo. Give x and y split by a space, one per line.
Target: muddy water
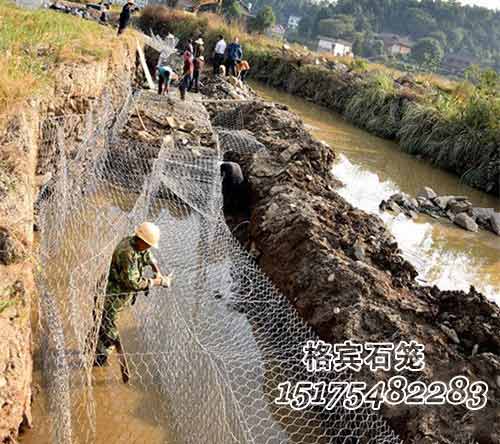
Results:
194 356
372 169
122 413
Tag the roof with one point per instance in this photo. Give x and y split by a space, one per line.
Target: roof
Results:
278 29
395 39
245 6
194 4
332 40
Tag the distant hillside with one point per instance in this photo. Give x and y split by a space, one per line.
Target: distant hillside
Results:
471 33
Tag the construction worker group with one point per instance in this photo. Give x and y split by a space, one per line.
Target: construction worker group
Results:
225 59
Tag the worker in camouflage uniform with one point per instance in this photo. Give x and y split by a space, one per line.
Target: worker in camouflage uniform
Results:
126 278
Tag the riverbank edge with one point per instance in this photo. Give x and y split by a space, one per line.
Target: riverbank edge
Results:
343 271
75 89
394 114
395 109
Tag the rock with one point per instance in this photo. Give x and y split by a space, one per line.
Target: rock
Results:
266 170
188 127
427 193
359 250
442 201
474 350
331 278
482 214
393 206
11 249
271 211
450 215
459 206
426 204
290 152
495 223
43 179
452 334
465 221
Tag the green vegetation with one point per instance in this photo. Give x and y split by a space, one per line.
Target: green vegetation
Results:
232 9
6 304
454 125
34 43
428 52
263 20
470 31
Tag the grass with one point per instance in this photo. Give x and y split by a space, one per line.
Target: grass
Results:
33 44
6 304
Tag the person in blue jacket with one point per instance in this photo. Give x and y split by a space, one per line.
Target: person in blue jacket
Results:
234 56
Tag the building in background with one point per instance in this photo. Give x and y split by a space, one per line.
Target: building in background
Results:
337 47
277 32
293 22
395 44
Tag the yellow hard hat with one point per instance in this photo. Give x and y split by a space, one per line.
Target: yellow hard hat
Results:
149 233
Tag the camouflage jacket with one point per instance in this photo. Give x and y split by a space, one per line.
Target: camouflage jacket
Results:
126 274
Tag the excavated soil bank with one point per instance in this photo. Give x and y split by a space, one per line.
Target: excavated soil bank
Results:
342 270
33 142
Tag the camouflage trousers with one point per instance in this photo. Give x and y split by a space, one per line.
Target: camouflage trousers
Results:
108 332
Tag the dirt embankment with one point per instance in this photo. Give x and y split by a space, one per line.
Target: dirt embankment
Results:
343 271
27 157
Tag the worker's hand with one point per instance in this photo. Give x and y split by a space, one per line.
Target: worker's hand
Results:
157 281
166 280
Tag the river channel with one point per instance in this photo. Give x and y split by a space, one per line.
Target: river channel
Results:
372 169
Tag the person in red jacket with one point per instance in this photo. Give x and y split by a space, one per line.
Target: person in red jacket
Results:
187 74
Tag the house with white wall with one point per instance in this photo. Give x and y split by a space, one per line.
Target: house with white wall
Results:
293 22
337 47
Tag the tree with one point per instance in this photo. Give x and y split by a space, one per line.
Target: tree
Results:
263 20
306 25
338 26
419 23
377 48
358 46
362 24
440 36
428 53
456 37
322 14
231 9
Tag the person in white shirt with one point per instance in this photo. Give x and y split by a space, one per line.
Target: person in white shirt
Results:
219 51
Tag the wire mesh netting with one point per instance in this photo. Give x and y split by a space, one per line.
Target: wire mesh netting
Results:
200 362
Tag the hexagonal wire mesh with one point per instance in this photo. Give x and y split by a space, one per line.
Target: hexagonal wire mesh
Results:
205 356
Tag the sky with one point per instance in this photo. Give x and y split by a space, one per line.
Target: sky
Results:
492 4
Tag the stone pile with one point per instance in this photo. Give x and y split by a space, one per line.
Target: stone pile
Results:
458 209
226 88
